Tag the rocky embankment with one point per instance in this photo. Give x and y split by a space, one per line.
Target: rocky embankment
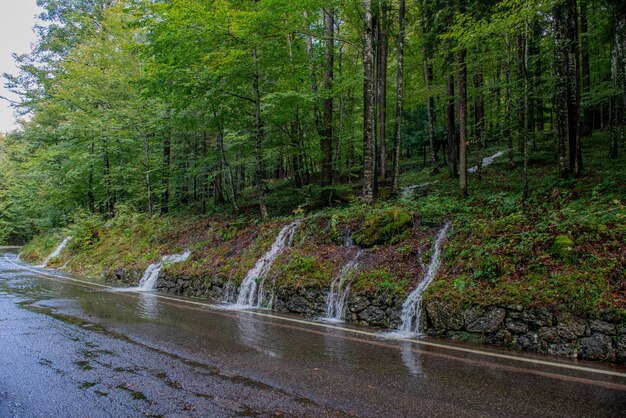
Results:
535 330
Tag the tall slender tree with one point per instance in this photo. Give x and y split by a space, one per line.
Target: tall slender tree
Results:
462 85
399 101
369 104
382 47
327 131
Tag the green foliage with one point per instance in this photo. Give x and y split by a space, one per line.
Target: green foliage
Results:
144 122
42 245
488 269
460 284
231 229
390 287
562 247
335 235
383 227
299 269
86 229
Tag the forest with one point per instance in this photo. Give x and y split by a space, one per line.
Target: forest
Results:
266 107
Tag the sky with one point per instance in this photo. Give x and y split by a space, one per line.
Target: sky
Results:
17 18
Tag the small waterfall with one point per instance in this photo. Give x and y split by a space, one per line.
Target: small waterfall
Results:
339 290
409 191
57 251
411 308
150 276
486 161
252 291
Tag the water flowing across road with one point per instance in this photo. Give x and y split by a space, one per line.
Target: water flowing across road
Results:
57 252
72 348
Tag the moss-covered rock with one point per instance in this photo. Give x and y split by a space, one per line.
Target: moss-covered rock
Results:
384 227
562 247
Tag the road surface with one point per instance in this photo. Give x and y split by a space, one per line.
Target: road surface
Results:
73 347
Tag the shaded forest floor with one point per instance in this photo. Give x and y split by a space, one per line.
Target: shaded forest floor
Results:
563 250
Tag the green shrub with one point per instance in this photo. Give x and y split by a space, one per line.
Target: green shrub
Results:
562 247
383 227
86 230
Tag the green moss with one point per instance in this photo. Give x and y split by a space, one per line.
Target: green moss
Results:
562 247
383 227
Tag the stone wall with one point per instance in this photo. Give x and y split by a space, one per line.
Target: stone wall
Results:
538 330
376 310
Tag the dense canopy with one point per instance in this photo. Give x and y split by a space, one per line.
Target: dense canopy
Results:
197 106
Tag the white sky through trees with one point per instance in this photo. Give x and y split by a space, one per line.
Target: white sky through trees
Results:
17 18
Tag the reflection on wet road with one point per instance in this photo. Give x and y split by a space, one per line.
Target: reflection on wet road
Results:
74 348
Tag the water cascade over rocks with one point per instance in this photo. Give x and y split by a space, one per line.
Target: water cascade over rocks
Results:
339 290
252 290
57 251
411 308
150 276
486 162
409 191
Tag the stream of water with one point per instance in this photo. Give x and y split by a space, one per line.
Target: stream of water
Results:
57 251
487 161
252 290
411 308
151 275
340 286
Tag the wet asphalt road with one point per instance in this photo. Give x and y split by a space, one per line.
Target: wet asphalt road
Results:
72 348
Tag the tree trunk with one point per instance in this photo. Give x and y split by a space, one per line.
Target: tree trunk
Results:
430 108
621 45
538 82
258 135
452 140
313 81
566 87
342 107
383 45
428 81
369 105
326 138
146 145
526 130
462 85
165 176
519 90
110 199
587 119
395 186
561 88
508 128
90 196
479 110
218 189
613 150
